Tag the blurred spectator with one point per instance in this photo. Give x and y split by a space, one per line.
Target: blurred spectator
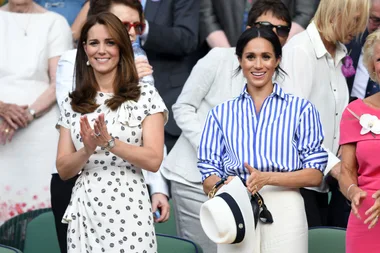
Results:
170 37
211 82
313 61
360 176
221 22
360 85
32 39
67 8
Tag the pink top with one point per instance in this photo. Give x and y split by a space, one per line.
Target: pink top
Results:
359 238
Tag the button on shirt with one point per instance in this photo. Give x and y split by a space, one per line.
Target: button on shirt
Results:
286 135
313 74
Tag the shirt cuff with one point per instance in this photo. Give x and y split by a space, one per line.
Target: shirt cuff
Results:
144 36
157 183
332 161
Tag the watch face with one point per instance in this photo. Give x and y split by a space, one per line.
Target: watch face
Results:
111 144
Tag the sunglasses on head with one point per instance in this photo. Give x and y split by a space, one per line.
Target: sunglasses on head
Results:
281 30
139 27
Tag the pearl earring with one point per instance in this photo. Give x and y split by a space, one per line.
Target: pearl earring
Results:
87 63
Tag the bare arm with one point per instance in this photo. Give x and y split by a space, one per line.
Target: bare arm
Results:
47 99
149 156
76 27
210 182
348 171
217 39
69 161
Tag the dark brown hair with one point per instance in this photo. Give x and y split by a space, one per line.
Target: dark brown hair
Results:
125 85
99 6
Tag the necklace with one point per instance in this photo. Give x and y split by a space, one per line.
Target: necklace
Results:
25 28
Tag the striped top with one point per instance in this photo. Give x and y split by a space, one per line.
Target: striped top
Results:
286 135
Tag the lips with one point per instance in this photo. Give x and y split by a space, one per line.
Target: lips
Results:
258 74
102 59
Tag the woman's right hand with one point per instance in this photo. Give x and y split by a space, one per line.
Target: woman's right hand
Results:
356 196
15 115
143 67
87 135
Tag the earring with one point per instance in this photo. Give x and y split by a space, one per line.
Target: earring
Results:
87 63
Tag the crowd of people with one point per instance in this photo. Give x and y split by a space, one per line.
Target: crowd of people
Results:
280 94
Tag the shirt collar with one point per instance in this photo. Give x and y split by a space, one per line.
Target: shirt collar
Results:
319 47
277 91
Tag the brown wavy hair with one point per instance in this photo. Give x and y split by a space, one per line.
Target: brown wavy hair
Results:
126 81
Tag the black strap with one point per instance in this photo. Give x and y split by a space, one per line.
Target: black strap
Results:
239 220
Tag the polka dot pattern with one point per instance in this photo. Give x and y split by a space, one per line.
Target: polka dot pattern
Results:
110 210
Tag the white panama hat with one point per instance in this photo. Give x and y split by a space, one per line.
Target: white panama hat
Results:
227 219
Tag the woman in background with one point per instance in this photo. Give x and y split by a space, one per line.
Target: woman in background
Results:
32 40
360 175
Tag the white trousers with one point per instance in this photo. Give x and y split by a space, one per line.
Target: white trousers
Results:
289 232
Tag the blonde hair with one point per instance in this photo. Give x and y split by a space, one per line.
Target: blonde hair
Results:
368 53
335 19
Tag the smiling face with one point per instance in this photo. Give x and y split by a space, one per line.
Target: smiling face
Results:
258 63
101 49
126 14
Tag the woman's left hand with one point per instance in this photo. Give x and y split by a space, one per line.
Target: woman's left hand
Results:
256 179
374 211
6 132
101 132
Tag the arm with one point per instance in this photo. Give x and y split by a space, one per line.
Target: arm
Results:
69 161
76 27
210 152
60 40
209 28
349 173
313 157
185 110
47 99
149 156
180 38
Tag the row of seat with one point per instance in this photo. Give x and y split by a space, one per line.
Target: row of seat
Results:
34 232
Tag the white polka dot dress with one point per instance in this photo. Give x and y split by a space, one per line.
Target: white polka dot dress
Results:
110 209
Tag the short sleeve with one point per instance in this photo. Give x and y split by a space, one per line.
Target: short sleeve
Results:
60 37
350 125
156 104
65 113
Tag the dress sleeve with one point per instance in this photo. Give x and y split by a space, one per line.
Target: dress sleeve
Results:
211 149
60 38
350 125
156 104
310 137
65 114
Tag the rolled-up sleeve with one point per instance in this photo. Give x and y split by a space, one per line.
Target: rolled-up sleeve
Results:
211 148
310 137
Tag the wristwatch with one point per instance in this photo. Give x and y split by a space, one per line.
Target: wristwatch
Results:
33 113
110 144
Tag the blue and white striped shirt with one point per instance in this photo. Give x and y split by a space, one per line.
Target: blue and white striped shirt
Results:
286 135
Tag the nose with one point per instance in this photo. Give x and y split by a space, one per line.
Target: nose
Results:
102 48
258 63
132 33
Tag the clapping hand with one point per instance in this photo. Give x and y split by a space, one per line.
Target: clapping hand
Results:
93 138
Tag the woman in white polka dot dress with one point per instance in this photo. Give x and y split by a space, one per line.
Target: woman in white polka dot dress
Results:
111 128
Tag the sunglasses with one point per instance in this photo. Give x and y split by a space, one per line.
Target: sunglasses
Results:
281 30
139 27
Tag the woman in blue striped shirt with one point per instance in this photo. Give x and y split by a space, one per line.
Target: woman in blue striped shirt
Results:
270 139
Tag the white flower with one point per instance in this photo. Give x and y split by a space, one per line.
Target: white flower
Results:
370 123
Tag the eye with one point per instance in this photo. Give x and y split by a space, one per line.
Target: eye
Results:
111 43
250 57
92 43
266 57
